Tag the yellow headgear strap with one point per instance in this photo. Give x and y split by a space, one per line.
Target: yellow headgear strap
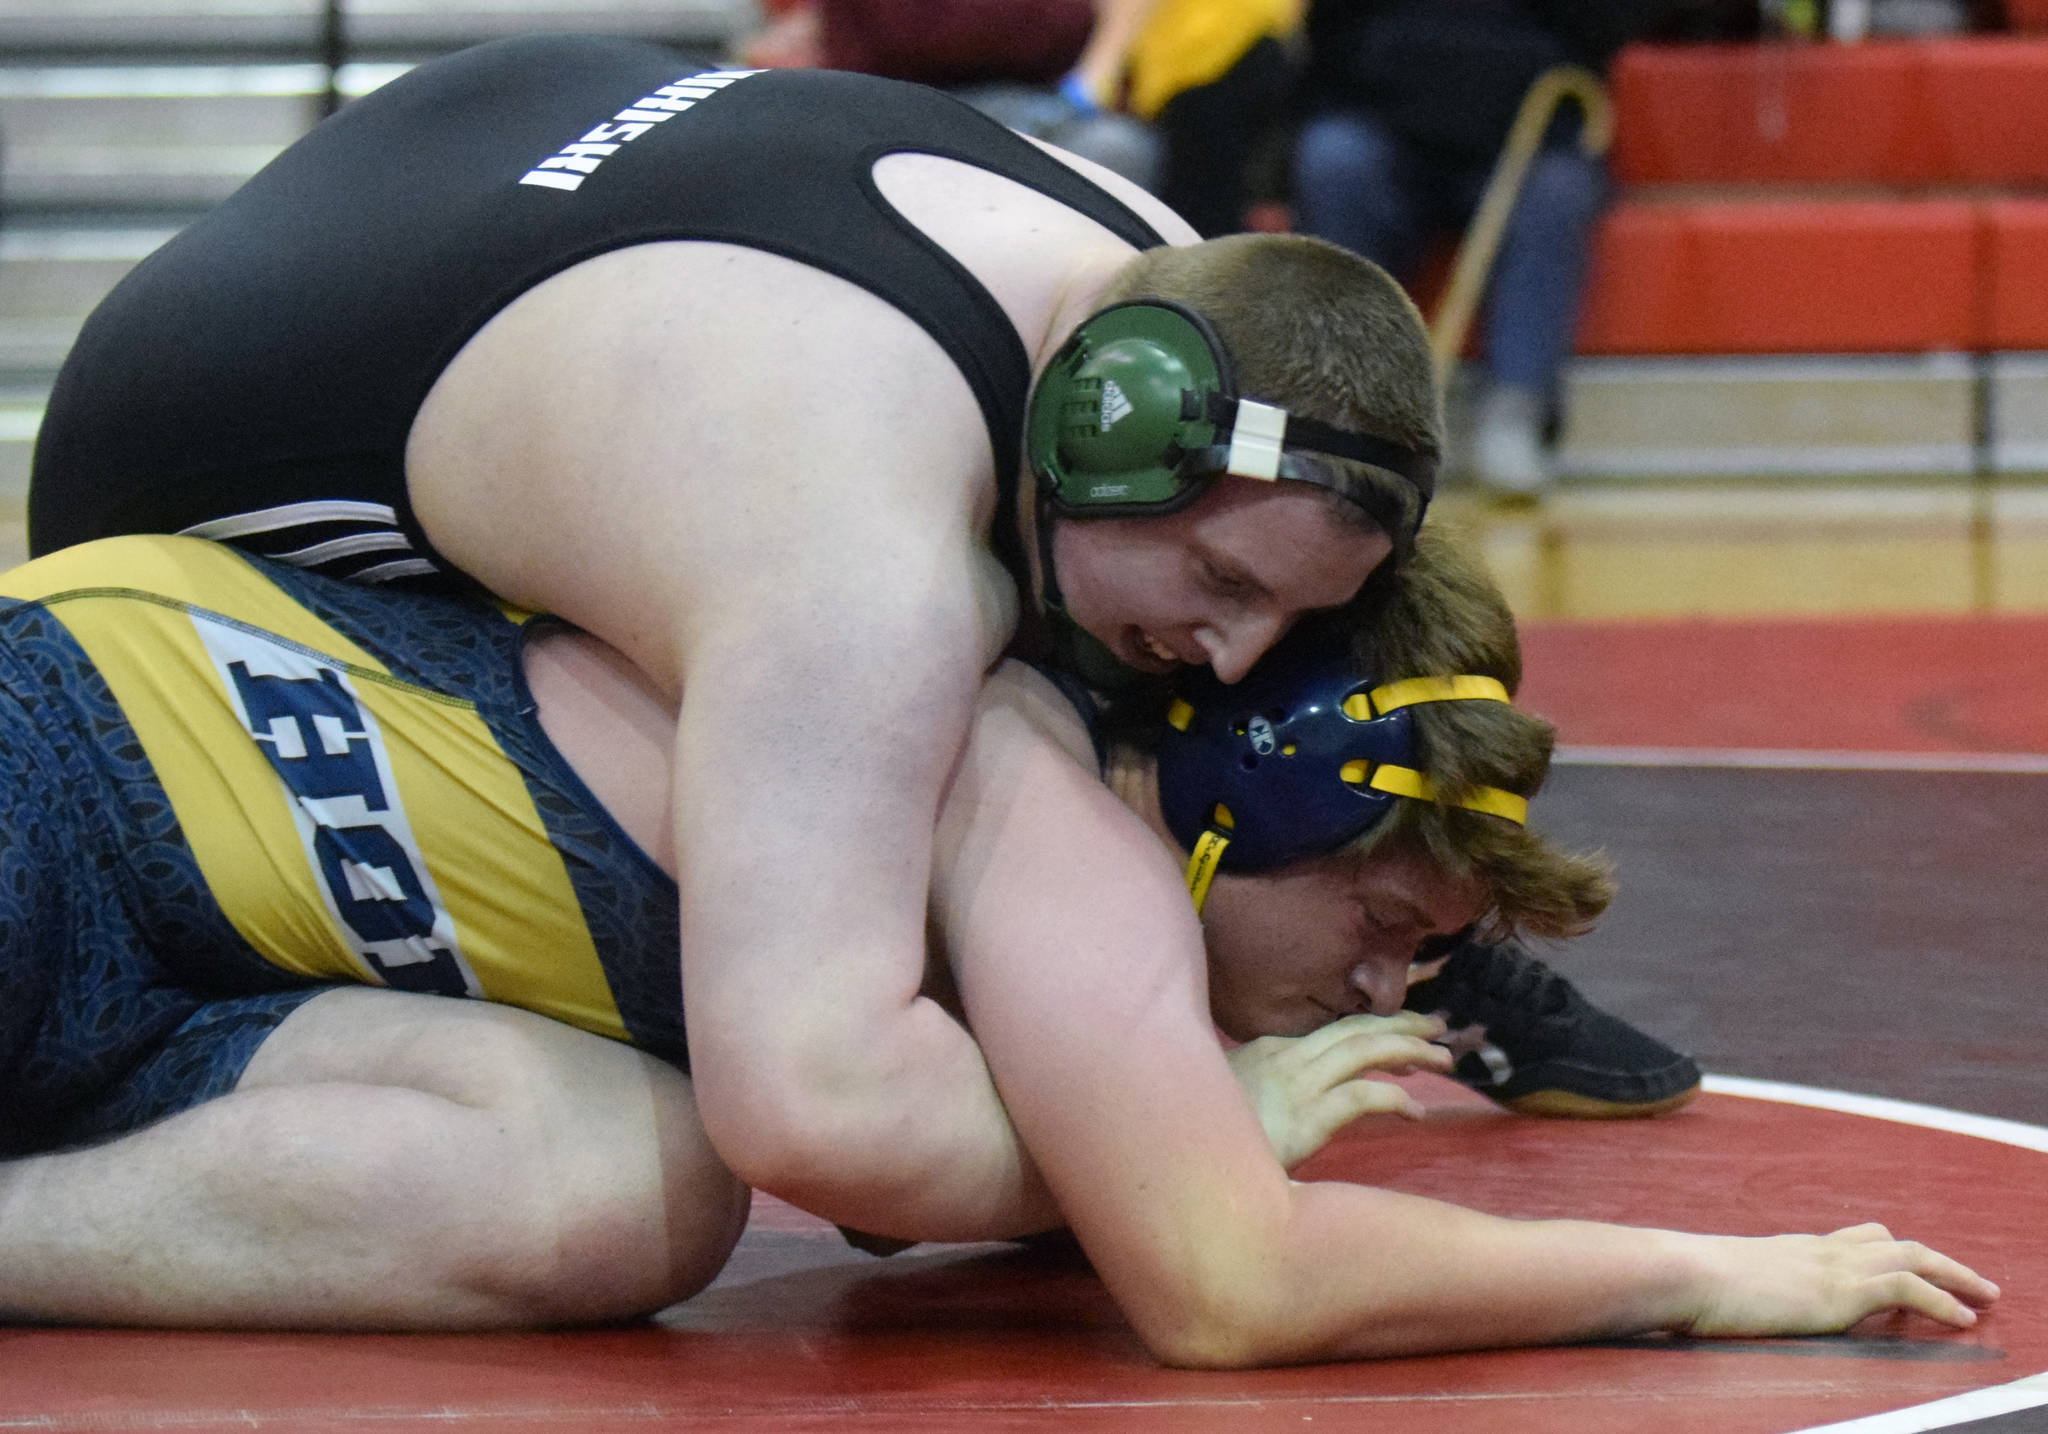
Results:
1407 782
1362 706
1202 861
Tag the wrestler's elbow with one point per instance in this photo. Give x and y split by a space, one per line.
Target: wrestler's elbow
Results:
782 1145
800 1123
1208 1330
1215 1310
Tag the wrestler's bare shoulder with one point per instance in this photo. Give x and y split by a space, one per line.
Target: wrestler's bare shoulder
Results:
665 424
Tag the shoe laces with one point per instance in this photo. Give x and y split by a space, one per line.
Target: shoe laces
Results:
1505 977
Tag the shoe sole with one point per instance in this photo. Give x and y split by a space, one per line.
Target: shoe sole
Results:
1567 1105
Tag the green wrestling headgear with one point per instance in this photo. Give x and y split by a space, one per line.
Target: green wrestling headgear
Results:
1138 412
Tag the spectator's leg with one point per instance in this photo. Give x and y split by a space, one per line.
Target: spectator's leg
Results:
1117 142
1211 133
1533 302
1532 314
1353 186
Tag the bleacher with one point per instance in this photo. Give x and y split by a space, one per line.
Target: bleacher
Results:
1825 259
120 120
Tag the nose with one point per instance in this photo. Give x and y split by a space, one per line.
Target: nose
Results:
1233 649
1383 983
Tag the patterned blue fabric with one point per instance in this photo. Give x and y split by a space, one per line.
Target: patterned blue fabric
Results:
114 960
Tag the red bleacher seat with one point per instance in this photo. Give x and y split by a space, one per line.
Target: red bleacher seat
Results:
1784 276
2016 274
1987 102
1896 113
1876 235
1756 114
2027 15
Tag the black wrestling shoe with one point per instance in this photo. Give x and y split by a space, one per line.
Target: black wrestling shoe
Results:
1526 1039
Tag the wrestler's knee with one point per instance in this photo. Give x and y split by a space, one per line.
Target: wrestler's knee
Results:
652 1223
630 1209
560 1177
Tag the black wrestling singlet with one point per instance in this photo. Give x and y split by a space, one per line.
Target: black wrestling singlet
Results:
255 379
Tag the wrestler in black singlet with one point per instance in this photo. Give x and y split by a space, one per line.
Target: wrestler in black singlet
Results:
275 353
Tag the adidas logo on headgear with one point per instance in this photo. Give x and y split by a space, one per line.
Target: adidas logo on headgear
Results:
1114 405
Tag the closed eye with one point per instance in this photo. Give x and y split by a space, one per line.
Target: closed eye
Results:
1226 584
1375 921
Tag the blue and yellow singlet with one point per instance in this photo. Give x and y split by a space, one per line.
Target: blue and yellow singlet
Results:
356 779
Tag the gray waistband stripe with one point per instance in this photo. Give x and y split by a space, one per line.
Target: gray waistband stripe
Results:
292 515
345 548
401 568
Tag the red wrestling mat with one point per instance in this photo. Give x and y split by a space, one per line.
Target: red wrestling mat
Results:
804 1334
1930 685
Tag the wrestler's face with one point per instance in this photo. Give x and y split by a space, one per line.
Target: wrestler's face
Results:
1290 950
1216 583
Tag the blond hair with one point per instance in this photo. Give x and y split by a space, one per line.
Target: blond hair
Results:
1441 615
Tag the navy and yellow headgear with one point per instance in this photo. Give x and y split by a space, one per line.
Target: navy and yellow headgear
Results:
1302 757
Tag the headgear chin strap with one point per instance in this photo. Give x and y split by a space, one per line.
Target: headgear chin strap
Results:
1137 414
1300 759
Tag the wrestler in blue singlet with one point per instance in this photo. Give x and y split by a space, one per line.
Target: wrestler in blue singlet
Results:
231 784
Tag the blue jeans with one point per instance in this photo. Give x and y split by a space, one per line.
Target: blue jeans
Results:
1357 185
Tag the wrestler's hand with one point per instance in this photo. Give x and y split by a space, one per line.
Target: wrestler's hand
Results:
1307 1088
1819 1284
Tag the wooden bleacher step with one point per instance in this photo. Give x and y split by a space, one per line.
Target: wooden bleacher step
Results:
156 136
1826 259
2018 412
51 278
1742 417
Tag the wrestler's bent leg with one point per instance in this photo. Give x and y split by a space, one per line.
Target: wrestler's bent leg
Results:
387 1161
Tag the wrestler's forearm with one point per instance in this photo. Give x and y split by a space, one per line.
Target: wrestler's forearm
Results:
1362 1273
805 814
1379 1273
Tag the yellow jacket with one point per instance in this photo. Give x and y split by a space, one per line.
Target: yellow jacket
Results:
1191 42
